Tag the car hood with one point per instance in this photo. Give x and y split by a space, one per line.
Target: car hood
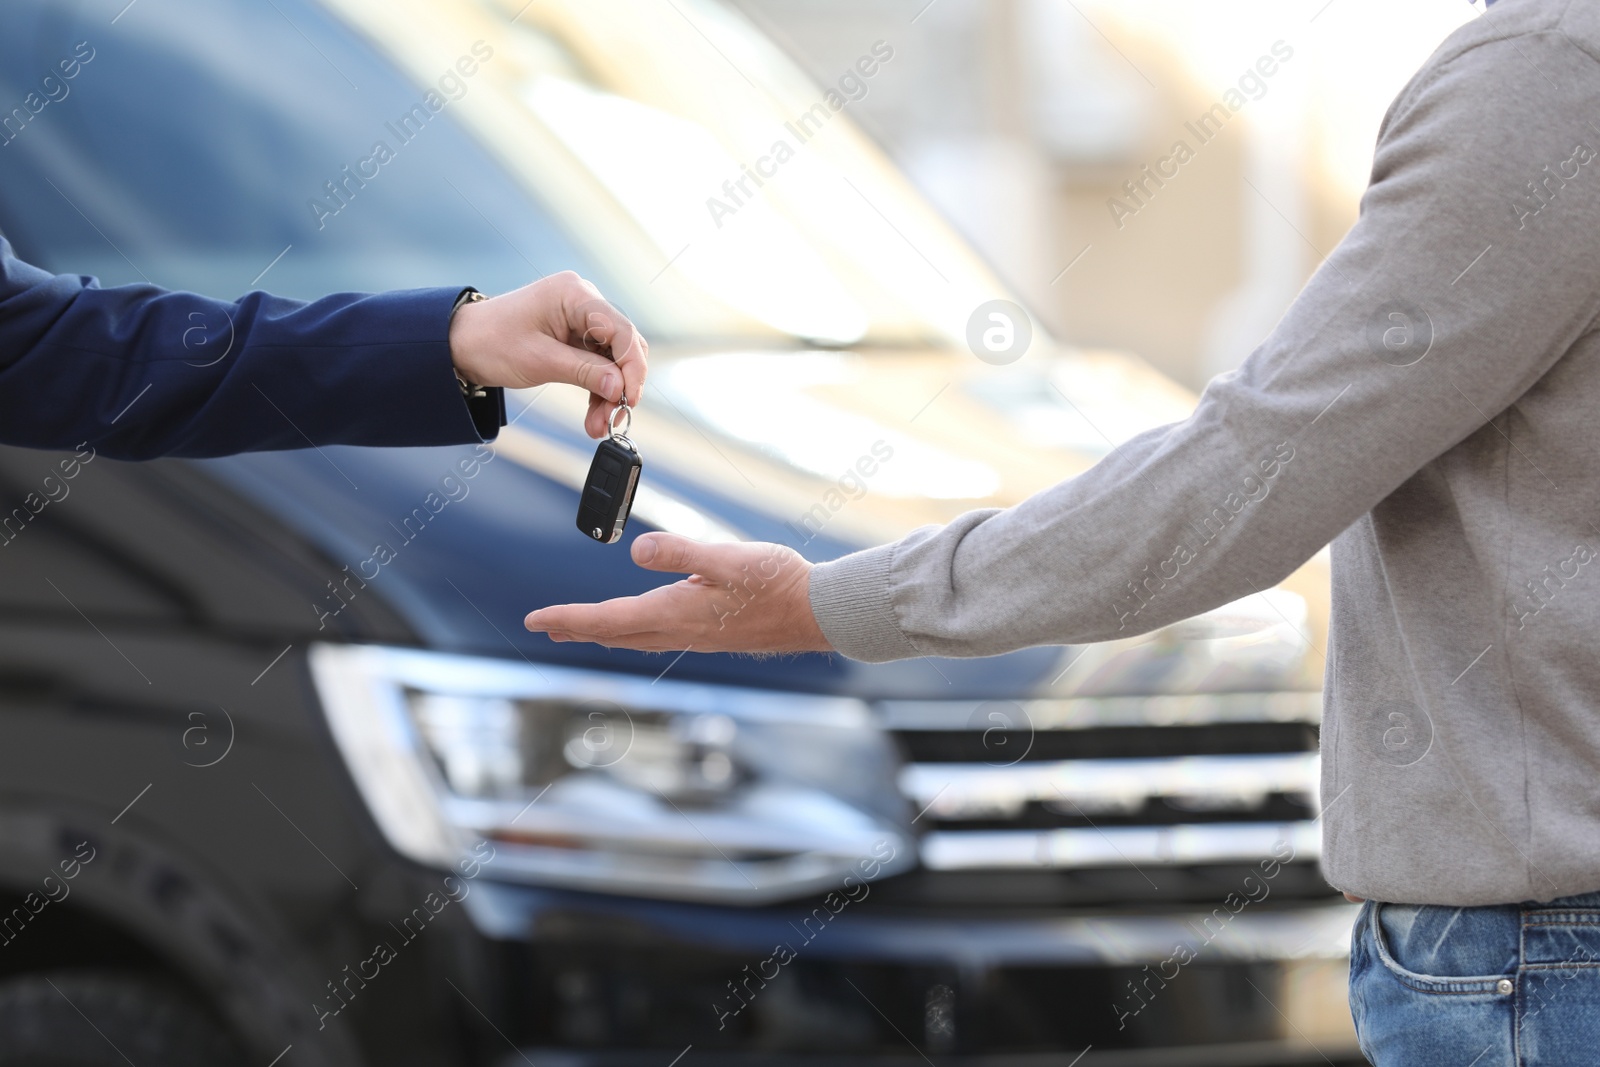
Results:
826 451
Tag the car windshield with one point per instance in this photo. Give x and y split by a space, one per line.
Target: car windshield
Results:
667 151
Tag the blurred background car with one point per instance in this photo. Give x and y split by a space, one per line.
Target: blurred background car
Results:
324 800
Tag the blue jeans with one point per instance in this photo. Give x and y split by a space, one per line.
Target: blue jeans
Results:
1510 985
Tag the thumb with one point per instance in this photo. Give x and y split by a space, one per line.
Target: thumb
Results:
677 554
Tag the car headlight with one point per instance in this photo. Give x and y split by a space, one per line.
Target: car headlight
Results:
615 783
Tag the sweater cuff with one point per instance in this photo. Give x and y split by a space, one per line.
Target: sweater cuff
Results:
852 599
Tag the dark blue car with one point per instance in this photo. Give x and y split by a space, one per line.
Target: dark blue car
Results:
282 779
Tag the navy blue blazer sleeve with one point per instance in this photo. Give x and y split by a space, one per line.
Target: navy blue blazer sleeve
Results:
139 372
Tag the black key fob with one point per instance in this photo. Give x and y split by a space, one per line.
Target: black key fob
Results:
608 492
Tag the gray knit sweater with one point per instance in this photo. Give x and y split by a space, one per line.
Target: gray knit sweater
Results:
1430 404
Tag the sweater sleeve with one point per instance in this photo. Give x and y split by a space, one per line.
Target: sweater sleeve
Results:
1469 273
140 372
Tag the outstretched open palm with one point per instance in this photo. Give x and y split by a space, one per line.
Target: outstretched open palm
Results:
739 597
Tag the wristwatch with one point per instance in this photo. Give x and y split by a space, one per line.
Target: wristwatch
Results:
468 295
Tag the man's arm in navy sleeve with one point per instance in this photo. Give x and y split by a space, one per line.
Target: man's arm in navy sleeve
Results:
140 372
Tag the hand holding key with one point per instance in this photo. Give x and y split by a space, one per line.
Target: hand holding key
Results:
559 329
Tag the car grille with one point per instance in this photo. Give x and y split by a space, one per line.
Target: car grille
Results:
1102 785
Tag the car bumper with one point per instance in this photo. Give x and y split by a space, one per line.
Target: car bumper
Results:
601 981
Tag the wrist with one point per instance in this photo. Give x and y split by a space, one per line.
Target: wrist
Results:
465 318
801 625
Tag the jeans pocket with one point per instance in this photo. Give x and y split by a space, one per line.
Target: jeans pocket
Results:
1424 990
1442 963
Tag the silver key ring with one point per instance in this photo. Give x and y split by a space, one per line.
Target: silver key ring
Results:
621 409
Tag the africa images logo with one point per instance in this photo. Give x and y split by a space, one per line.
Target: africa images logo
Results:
851 86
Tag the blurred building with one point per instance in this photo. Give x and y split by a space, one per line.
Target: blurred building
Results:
1152 175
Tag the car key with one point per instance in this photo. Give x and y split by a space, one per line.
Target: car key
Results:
613 476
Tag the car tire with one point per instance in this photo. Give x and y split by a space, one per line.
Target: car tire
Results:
99 1019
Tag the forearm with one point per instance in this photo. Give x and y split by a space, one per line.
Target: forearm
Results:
141 372
1179 520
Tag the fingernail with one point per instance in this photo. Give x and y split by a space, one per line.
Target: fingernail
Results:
644 550
610 385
